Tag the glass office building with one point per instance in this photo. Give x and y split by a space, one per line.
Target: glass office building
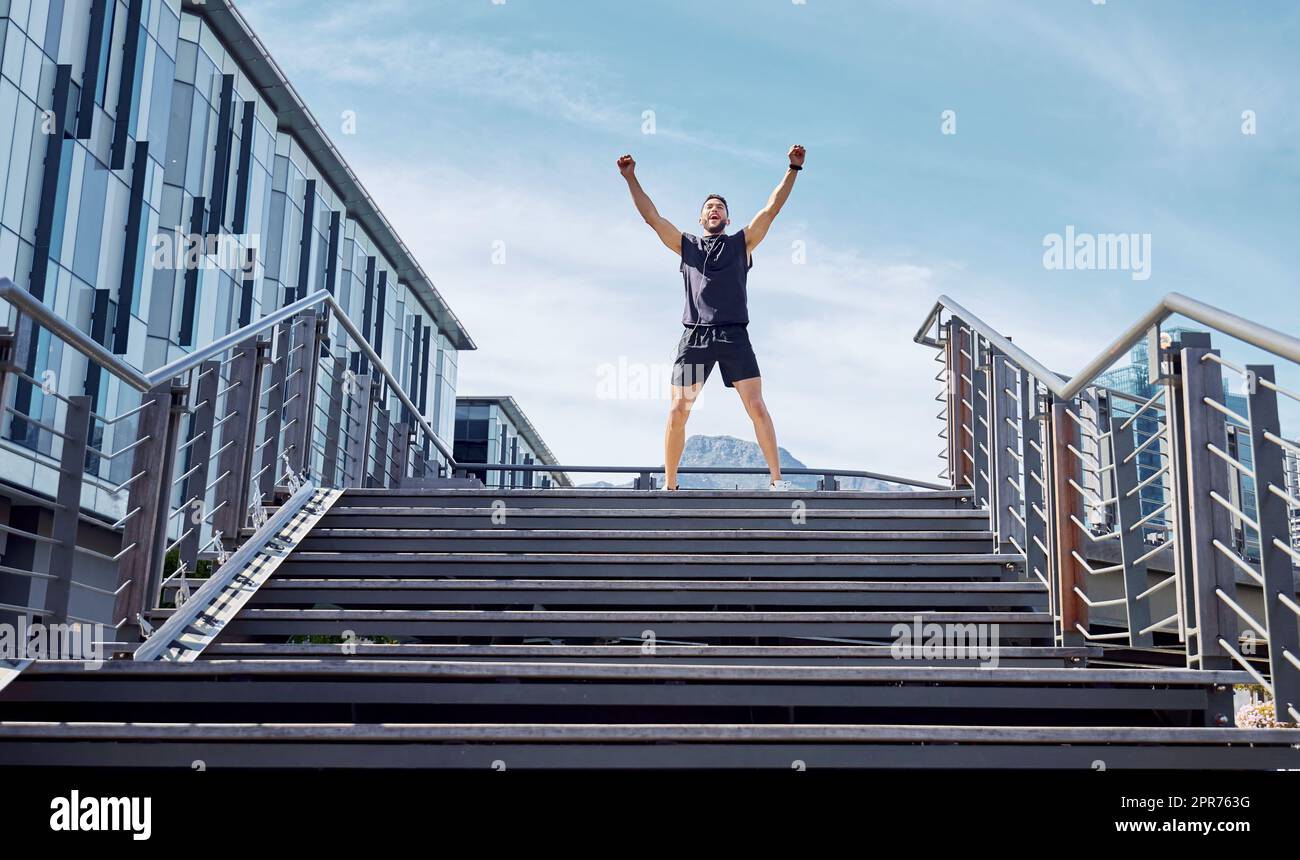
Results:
161 185
496 430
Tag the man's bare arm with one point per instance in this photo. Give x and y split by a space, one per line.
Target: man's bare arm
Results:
758 227
668 234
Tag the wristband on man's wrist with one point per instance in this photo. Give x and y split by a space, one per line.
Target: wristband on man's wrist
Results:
796 167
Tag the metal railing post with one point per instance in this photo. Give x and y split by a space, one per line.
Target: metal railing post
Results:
236 461
947 341
1064 503
300 394
1208 520
194 494
401 451
1274 535
333 418
1084 437
1180 513
382 438
72 468
961 436
1128 514
359 406
981 438
421 455
1035 477
275 398
149 502
1004 442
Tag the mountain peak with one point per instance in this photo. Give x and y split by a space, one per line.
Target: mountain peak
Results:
732 452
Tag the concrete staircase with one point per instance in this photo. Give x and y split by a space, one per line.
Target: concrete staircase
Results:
610 628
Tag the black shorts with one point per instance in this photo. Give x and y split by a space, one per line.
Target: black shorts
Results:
703 346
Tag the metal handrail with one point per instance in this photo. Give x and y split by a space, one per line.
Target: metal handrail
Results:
83 343
1268 339
1196 481
71 335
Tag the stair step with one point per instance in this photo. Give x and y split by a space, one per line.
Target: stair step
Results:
814 519
352 540
956 566
641 499
674 732
630 625
304 591
480 746
518 691
752 655
111 671
669 585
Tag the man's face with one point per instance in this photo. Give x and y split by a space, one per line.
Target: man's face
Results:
713 217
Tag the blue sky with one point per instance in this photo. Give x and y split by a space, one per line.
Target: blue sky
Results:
485 127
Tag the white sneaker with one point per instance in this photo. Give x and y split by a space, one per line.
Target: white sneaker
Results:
781 486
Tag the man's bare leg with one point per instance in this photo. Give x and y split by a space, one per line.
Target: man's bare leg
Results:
675 432
751 394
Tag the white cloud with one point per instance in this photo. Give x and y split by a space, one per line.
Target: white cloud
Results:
358 45
1189 92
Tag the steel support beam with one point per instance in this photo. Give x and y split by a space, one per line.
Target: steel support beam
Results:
72 469
271 467
148 505
1274 525
1212 572
334 417
236 462
1064 502
1132 546
201 423
300 392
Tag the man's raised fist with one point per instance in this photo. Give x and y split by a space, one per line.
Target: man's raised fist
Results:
626 165
796 155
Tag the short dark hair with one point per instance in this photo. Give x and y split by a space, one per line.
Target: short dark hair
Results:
716 197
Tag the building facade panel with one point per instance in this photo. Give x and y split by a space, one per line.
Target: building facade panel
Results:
158 194
495 430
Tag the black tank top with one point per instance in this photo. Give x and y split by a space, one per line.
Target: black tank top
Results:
714 272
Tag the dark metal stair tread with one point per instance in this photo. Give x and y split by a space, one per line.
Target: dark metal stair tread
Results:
683 513
957 616
662 558
283 668
575 493
642 732
650 732
523 584
652 534
504 651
